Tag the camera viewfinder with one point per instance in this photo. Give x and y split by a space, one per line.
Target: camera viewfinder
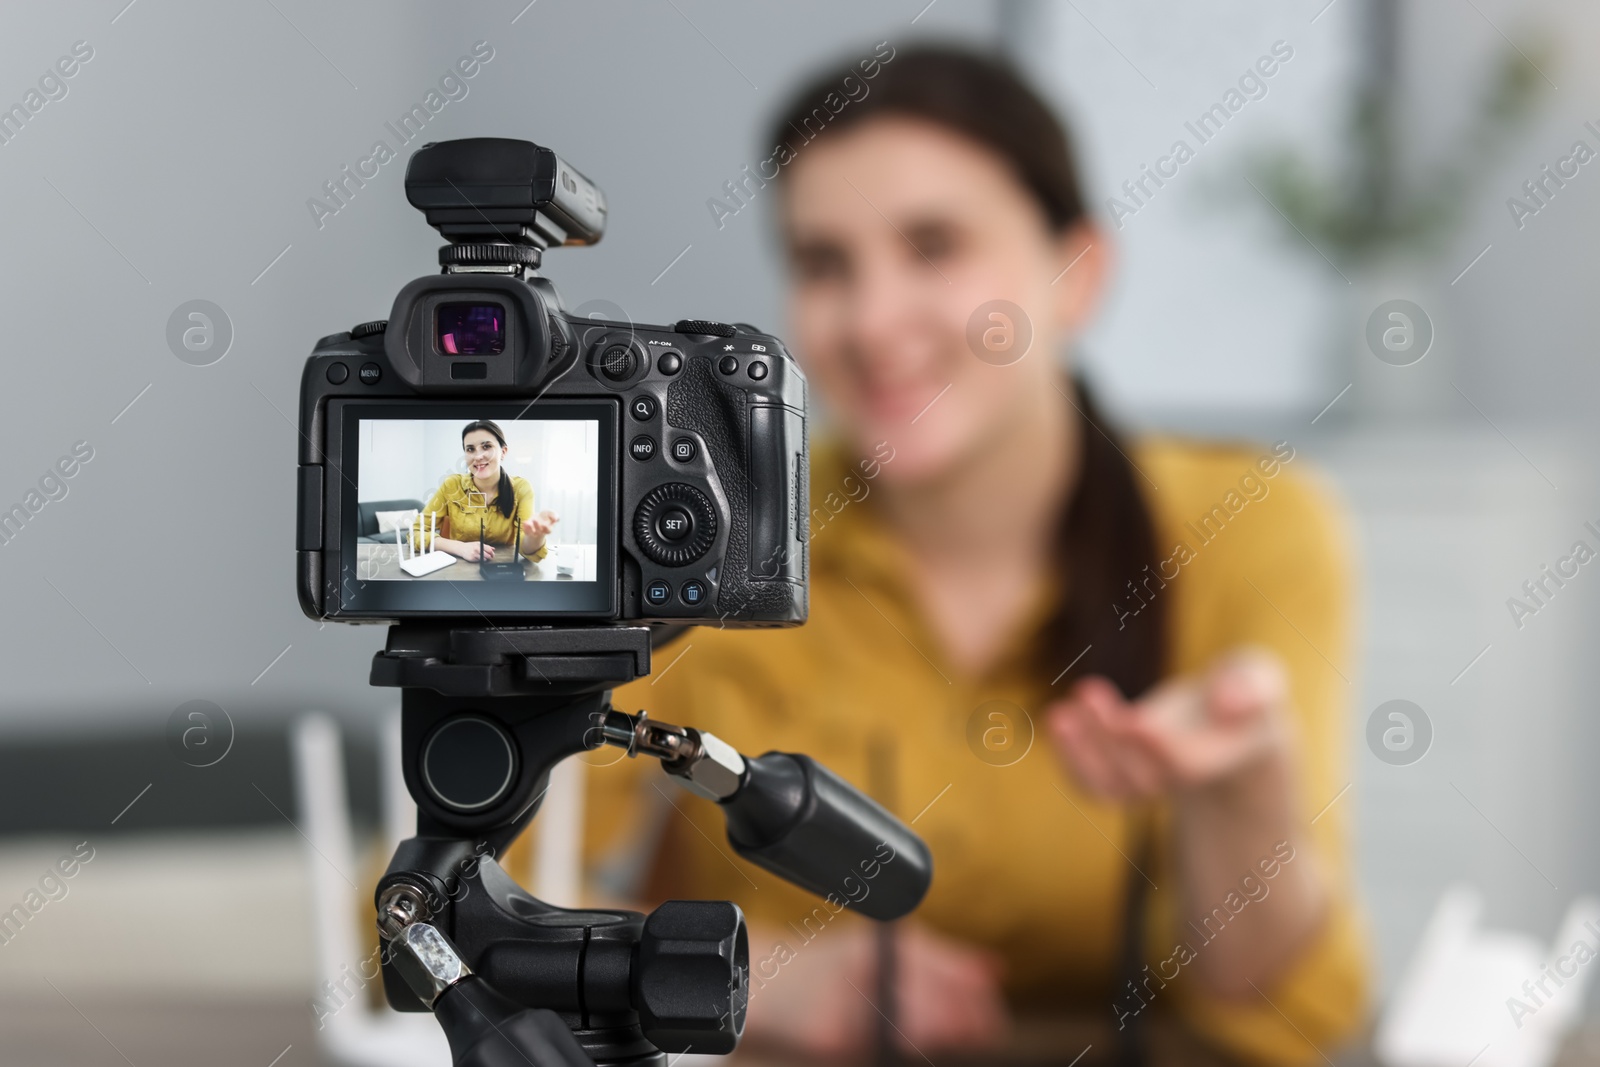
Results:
471 329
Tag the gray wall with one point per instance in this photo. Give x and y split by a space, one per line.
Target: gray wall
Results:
178 166
1219 308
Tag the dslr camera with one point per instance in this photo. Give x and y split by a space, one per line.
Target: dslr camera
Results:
668 463
534 499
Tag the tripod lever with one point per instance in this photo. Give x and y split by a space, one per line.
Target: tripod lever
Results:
484 1028
792 816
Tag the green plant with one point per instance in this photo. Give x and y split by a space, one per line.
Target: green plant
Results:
1367 208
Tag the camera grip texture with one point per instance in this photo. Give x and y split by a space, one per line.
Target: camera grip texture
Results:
758 452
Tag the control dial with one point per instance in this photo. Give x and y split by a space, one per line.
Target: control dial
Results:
675 524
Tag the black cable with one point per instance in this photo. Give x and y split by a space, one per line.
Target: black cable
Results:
1132 1045
880 775
888 1053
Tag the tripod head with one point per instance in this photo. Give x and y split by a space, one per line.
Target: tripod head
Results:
486 714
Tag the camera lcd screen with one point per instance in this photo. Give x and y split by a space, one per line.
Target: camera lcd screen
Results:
471 329
480 507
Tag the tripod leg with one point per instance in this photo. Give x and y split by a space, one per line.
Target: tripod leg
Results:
484 1028
487 1030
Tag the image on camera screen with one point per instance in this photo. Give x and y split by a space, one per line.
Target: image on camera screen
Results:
479 499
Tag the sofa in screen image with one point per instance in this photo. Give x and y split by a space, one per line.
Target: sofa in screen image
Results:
367 524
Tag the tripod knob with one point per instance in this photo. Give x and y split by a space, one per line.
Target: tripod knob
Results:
691 984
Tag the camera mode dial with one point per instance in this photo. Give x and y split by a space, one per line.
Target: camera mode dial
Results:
704 327
675 524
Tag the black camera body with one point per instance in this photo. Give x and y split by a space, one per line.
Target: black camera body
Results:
679 451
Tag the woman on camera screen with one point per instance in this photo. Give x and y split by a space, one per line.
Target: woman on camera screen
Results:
485 498
1101 676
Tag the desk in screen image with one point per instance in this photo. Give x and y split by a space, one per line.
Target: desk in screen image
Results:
381 562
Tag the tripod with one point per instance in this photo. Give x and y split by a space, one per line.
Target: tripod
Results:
486 713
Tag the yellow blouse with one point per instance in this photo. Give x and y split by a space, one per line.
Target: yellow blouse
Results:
461 506
1025 862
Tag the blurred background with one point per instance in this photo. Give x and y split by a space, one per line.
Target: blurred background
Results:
1422 151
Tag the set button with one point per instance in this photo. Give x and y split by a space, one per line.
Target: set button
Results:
674 523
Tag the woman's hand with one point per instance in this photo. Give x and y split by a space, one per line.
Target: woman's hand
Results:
814 999
536 529
1224 742
472 551
1186 734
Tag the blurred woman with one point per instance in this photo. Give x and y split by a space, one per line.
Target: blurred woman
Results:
1102 678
